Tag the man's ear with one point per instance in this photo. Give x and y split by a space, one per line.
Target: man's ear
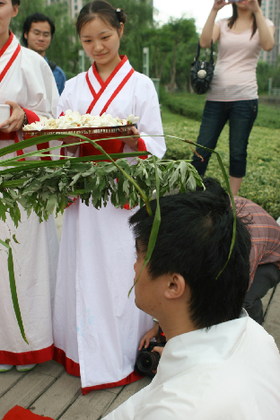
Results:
175 287
25 35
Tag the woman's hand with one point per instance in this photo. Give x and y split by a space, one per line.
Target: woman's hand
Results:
219 4
132 142
252 5
15 122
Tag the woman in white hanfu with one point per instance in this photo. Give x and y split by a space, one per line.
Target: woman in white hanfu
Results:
97 327
28 86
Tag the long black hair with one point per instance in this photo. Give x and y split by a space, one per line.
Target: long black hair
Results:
234 17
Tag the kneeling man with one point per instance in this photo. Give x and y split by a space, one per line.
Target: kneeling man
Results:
218 363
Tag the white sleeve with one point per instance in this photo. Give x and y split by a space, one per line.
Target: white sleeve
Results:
42 93
148 109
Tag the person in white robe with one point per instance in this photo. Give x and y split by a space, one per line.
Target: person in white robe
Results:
97 327
28 86
218 363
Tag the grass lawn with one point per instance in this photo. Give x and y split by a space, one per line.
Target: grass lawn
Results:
261 184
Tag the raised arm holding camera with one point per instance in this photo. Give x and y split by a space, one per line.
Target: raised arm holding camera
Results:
233 94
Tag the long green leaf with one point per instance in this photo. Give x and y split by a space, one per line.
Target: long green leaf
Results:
13 288
228 189
155 228
31 164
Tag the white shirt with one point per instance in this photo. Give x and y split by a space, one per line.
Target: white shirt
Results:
229 372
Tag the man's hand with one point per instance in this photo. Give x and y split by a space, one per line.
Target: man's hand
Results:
145 340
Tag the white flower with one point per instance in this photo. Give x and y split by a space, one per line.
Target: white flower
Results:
73 119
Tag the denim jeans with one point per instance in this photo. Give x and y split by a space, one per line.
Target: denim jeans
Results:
241 116
266 277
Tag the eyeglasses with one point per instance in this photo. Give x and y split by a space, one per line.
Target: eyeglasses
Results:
36 32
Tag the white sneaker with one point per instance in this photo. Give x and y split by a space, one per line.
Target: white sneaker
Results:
5 368
25 368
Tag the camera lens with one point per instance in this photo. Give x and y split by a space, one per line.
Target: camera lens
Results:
147 362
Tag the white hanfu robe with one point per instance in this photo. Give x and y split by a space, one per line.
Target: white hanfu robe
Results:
97 327
231 371
25 78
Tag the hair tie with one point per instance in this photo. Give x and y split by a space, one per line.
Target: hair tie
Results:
118 13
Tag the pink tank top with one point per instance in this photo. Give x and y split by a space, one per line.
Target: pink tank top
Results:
235 71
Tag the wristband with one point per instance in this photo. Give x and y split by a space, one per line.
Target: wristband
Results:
25 120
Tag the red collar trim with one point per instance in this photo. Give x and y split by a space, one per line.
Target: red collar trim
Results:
8 43
105 83
119 88
12 59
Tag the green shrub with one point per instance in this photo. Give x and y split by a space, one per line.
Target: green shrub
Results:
261 184
191 106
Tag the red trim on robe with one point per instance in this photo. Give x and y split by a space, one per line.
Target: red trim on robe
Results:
32 117
73 368
133 377
20 413
103 84
12 59
8 43
116 92
26 358
70 366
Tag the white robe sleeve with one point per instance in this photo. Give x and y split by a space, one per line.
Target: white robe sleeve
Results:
148 109
40 94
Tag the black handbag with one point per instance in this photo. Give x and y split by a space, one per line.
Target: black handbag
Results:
202 72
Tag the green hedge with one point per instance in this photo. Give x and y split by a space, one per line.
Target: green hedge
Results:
261 184
191 106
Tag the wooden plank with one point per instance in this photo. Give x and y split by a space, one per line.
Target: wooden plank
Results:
90 406
272 321
30 387
8 380
62 393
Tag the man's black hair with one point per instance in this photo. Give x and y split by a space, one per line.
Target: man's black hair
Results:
194 240
35 17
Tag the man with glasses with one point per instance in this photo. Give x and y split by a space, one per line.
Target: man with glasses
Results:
38 31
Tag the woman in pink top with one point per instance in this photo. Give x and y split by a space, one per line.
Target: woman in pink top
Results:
233 95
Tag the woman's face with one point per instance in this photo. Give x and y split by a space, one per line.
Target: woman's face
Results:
7 12
242 5
101 42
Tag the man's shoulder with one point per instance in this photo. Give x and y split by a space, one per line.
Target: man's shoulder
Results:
54 66
59 70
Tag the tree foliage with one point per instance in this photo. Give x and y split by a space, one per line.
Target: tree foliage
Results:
64 49
268 76
171 47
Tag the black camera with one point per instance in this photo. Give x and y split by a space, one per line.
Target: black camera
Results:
147 360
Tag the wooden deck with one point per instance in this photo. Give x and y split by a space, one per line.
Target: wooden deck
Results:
47 390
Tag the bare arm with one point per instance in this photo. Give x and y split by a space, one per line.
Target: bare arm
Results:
210 31
266 33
